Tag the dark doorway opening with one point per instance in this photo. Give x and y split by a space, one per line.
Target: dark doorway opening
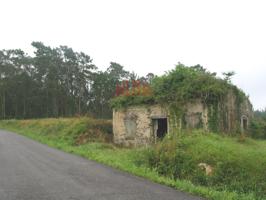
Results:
160 127
245 124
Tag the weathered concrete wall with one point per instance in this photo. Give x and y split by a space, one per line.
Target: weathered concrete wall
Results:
196 115
246 112
133 126
231 113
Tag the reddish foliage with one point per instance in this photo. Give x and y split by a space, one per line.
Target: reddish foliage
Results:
133 88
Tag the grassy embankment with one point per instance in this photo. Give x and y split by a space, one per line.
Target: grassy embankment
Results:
239 166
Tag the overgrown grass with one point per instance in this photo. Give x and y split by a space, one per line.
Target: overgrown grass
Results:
238 165
172 162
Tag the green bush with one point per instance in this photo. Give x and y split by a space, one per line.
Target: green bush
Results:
258 128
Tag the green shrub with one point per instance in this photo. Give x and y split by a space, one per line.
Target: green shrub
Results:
258 128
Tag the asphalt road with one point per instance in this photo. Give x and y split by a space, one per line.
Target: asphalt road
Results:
33 171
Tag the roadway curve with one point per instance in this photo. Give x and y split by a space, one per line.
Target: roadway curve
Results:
33 171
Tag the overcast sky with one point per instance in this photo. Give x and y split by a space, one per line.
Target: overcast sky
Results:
149 35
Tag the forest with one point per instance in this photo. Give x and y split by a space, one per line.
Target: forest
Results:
56 82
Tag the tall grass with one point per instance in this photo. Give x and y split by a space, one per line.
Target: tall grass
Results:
237 166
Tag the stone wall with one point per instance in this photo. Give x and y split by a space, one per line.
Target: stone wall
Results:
231 112
133 126
246 112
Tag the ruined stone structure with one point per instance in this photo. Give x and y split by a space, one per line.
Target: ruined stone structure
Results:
135 125
144 124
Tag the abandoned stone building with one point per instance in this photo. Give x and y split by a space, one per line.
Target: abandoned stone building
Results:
137 125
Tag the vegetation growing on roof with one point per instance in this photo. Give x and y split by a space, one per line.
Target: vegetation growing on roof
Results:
181 85
125 101
185 84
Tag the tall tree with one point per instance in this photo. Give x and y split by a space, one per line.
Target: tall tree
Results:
103 88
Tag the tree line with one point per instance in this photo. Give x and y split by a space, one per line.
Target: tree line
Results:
56 82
